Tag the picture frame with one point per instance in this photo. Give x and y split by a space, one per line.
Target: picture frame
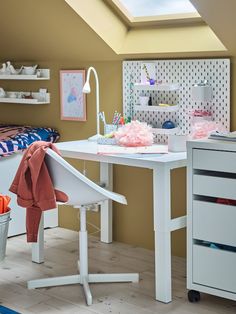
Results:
73 101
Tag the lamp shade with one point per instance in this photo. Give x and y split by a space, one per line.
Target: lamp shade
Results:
86 88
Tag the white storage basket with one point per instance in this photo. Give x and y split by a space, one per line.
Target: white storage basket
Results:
4 224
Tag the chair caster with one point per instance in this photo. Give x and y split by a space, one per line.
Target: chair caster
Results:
194 296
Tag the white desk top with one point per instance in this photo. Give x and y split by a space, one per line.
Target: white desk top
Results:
87 150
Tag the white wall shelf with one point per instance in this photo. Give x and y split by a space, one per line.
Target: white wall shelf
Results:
157 87
36 100
165 131
44 75
173 108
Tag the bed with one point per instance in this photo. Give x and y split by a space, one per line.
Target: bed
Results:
14 139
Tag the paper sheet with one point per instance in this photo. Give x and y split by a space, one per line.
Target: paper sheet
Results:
115 149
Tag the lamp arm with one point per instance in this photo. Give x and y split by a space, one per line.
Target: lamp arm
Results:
97 95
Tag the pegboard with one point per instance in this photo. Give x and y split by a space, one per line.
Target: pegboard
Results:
186 73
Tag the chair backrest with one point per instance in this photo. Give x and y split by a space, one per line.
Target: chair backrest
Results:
79 189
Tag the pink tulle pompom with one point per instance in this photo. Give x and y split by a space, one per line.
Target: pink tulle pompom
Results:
203 129
135 133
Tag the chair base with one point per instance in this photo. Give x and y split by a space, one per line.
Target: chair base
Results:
84 281
84 278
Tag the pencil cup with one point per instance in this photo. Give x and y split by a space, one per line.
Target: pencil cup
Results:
177 143
109 128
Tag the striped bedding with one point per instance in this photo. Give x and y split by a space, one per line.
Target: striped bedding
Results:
15 138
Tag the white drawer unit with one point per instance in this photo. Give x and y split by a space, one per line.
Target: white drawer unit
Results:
211 219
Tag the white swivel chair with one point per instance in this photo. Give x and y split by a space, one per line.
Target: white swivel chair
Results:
82 193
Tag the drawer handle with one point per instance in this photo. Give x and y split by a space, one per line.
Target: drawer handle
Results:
216 246
218 200
226 201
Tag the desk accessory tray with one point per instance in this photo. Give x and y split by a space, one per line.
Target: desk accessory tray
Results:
106 141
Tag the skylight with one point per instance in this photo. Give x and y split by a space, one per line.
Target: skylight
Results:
142 8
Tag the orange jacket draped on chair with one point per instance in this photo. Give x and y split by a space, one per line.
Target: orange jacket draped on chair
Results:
33 186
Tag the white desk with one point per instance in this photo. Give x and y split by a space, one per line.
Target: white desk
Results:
163 224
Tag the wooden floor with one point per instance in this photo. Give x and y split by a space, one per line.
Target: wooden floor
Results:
61 256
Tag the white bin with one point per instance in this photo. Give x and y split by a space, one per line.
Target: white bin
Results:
4 224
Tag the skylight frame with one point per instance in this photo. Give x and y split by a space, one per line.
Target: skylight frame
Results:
153 19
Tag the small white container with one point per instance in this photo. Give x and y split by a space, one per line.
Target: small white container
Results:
202 93
110 128
177 143
143 100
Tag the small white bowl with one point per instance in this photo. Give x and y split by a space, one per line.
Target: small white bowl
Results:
12 95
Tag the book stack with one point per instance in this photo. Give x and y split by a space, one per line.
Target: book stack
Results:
223 136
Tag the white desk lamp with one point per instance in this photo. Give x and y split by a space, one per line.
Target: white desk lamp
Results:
87 90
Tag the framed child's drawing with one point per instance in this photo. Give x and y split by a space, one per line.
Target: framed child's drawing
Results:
73 101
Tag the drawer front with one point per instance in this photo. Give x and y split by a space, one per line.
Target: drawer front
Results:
214 222
214 186
214 268
214 160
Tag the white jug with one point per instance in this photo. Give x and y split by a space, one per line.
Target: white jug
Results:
2 92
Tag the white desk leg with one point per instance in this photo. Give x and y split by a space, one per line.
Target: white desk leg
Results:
106 176
38 248
162 217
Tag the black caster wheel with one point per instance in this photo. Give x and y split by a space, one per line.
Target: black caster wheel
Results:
193 296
